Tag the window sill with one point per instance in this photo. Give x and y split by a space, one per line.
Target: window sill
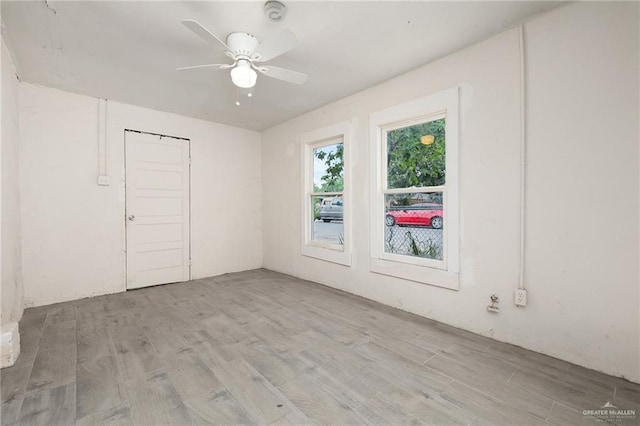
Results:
327 254
421 274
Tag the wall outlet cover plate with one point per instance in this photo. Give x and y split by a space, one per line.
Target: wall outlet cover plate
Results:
521 297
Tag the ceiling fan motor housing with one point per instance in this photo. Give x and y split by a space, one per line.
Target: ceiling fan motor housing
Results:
242 44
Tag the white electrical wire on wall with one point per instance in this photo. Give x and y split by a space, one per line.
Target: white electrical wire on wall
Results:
523 155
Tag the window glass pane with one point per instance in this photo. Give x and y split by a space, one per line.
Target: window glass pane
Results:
415 155
327 225
328 168
413 224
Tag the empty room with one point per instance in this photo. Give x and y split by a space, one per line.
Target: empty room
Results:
305 213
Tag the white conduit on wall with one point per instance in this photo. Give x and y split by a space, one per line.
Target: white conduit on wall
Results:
523 155
103 170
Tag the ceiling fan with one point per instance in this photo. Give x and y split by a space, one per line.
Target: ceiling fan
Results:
247 51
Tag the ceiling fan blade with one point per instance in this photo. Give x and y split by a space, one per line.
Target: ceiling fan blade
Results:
203 33
275 46
219 66
283 74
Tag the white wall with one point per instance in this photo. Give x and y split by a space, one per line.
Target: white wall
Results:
11 291
73 229
582 191
583 187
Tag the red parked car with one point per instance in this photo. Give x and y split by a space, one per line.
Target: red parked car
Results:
421 214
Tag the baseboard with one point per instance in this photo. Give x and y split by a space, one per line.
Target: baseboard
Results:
10 345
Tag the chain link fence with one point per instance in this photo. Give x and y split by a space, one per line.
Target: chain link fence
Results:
413 241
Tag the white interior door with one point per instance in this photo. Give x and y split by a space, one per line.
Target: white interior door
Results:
157 209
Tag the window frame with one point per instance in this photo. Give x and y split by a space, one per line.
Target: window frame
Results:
444 273
330 135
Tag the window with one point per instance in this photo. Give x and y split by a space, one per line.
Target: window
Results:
414 194
415 178
325 194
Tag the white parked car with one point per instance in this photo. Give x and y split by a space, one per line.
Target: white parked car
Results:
331 209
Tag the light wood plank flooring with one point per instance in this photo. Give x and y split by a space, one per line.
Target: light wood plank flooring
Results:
260 347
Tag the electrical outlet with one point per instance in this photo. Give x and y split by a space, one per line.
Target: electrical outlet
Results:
521 297
103 180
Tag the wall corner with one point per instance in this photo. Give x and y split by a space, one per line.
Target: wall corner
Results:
9 344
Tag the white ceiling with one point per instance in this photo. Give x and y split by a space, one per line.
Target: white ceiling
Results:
128 51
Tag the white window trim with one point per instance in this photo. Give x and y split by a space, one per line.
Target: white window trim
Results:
309 140
443 273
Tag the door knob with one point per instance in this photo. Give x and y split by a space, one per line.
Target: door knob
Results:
132 218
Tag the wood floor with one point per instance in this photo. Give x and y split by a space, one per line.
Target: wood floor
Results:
260 347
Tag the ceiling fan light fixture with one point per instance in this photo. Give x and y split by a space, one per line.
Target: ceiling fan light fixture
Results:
246 50
243 75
